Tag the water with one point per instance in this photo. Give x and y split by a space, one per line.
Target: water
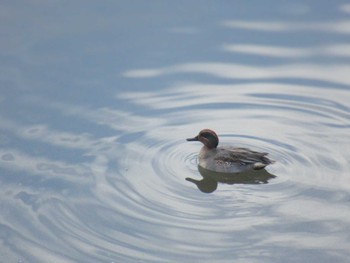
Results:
98 98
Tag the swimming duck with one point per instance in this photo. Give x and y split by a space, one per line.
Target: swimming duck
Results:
227 159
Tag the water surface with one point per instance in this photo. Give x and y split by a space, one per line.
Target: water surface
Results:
97 101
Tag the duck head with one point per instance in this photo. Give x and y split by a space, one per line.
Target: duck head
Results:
207 137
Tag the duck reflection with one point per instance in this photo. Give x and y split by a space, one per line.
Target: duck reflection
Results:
210 180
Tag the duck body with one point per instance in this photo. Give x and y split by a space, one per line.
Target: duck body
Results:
227 159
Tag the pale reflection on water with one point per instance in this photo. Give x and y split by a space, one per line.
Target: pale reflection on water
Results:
232 71
96 106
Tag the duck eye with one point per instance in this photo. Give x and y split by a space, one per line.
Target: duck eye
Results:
206 134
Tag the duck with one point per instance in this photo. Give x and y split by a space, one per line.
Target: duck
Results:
227 159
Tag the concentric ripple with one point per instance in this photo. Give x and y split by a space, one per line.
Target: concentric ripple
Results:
137 204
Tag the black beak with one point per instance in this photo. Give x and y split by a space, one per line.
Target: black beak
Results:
192 139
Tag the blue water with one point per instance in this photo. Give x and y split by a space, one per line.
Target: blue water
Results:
97 99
